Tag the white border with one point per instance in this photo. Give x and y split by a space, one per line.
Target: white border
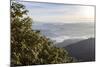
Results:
4 33
89 2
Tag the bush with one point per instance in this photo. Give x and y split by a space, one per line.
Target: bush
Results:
29 47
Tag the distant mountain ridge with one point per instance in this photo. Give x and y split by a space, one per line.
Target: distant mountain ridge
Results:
68 42
83 50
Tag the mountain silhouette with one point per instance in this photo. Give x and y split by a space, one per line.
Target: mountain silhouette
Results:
83 50
68 42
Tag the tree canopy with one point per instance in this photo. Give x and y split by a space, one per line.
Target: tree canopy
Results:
29 46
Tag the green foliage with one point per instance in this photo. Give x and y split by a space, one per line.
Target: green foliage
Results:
29 46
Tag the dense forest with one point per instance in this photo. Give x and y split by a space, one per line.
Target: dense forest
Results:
28 46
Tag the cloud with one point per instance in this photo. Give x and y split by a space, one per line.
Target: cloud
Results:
59 12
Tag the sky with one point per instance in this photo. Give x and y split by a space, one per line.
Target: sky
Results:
60 13
79 20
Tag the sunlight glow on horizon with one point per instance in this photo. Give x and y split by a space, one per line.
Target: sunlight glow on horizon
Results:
44 12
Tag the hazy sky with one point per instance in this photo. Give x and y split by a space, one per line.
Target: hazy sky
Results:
48 12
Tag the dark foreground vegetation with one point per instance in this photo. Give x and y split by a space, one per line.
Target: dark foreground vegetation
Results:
28 46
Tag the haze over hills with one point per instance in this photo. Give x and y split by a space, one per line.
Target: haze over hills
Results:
77 38
83 50
60 32
68 42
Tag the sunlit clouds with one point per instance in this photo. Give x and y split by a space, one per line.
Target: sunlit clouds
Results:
61 13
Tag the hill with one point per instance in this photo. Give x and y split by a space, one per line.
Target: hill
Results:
67 42
83 50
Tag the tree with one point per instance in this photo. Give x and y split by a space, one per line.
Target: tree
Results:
30 47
